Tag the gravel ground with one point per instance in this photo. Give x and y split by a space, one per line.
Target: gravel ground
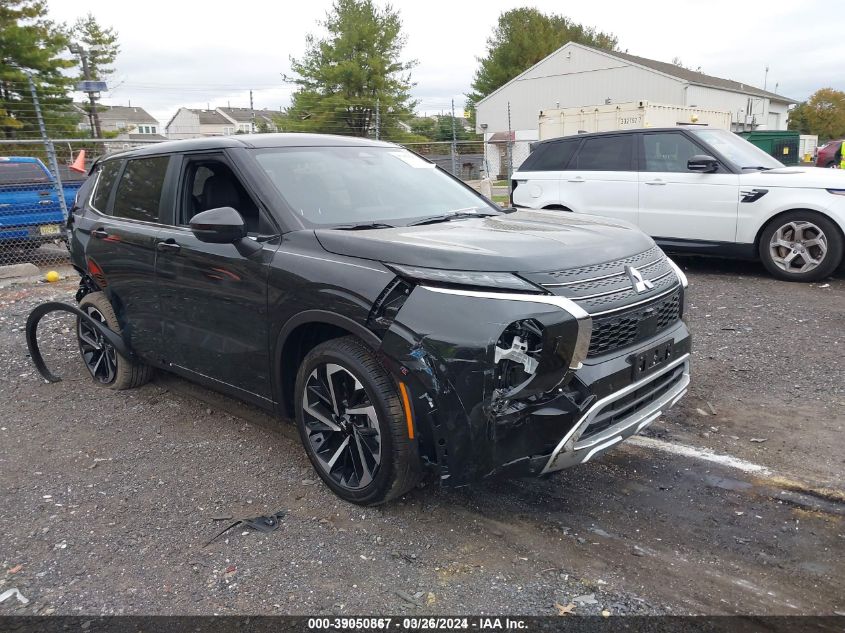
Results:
109 497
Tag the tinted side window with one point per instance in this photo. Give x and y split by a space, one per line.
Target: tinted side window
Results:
108 174
551 156
139 191
606 153
668 152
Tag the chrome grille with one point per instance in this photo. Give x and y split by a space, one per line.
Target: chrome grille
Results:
604 288
625 328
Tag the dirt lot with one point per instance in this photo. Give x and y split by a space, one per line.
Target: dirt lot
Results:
109 497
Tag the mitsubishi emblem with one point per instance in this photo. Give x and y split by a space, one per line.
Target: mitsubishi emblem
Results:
637 282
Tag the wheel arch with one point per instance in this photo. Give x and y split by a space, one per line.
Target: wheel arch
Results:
299 335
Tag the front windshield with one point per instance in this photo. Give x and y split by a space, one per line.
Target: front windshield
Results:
346 186
737 150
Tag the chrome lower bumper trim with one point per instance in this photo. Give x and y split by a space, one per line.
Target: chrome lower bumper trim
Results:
570 451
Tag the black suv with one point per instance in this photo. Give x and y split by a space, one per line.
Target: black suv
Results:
407 324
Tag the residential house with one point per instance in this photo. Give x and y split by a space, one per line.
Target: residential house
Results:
123 119
247 120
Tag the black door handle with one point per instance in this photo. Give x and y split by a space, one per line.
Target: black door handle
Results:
99 233
168 245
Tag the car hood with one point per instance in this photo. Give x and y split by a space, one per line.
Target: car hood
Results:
807 177
522 241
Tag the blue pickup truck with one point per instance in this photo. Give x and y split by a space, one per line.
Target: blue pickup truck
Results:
30 212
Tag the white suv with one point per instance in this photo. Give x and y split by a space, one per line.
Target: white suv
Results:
697 190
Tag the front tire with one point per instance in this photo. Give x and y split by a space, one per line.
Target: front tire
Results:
108 368
352 423
801 246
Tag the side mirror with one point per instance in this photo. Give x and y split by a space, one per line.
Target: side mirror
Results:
703 163
223 225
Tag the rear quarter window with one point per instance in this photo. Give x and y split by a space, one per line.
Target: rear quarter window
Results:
138 193
551 156
105 183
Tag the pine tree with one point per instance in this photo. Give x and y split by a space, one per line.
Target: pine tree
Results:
31 43
343 77
100 43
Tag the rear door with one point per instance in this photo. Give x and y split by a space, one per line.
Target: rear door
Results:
602 178
120 251
213 296
676 203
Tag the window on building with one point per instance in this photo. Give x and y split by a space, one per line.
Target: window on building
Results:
245 127
139 190
228 130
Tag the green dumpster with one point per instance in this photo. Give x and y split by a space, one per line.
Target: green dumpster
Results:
781 144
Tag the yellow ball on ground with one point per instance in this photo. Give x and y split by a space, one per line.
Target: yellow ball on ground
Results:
52 276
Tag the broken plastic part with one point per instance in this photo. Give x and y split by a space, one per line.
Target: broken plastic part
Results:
113 338
517 353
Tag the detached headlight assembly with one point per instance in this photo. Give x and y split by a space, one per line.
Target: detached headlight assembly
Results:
475 279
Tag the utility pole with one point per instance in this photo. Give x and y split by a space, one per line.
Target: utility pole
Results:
766 77
454 143
510 154
48 145
252 113
93 116
378 119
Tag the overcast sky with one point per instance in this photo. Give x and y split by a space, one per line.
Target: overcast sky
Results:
187 53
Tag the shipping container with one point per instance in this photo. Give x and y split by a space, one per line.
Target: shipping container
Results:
627 116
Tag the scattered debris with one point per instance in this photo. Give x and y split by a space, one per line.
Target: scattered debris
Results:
13 592
825 286
589 598
759 440
565 610
711 407
15 569
638 551
605 613
701 412
408 598
268 523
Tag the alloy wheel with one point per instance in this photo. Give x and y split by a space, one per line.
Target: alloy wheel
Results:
342 426
99 356
798 247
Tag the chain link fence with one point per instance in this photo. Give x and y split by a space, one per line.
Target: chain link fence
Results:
39 180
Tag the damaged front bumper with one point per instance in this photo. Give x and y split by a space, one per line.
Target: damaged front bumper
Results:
486 400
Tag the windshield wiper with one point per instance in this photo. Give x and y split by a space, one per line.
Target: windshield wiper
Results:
363 226
455 215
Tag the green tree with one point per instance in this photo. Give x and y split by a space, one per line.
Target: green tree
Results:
822 114
342 77
30 42
100 44
798 119
522 38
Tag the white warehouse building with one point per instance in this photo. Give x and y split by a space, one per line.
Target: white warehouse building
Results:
576 75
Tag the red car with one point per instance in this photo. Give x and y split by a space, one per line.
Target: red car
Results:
829 154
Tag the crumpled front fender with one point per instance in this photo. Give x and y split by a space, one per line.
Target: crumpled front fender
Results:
442 344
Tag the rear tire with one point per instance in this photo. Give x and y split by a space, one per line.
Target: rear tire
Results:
108 368
352 423
801 246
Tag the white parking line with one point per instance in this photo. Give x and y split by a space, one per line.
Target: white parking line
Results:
699 453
